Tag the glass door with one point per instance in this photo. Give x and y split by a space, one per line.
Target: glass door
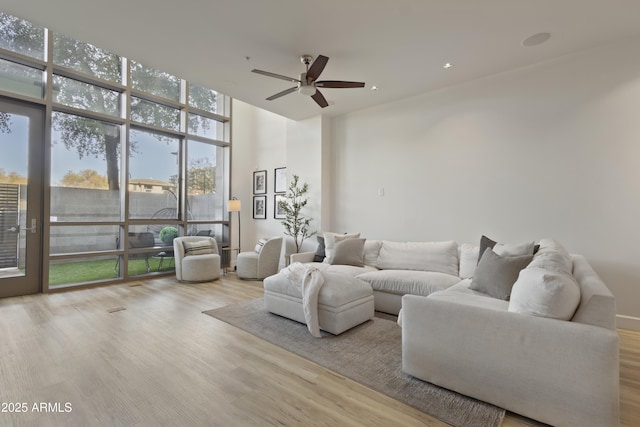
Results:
21 163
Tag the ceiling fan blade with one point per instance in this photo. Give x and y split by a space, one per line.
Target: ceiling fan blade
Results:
277 76
317 67
338 84
283 93
320 99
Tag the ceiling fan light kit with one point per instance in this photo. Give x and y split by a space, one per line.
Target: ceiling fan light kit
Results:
308 82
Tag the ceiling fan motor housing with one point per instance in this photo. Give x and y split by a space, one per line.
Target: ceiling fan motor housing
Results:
306 87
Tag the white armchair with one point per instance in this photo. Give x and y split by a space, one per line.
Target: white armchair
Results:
197 258
257 266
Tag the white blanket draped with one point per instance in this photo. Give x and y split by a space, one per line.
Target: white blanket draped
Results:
309 280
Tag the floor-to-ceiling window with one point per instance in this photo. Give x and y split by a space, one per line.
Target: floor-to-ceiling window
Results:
133 156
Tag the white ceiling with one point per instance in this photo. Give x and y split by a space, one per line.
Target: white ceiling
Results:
399 46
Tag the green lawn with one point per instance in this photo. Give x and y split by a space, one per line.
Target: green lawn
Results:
88 271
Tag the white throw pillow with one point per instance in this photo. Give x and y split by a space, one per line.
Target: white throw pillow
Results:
330 241
469 255
514 249
440 257
545 293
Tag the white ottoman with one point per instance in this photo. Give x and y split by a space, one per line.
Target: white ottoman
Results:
343 301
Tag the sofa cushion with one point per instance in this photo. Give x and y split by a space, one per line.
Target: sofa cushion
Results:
349 270
348 252
468 260
460 293
371 252
337 289
403 282
439 257
495 275
552 255
545 293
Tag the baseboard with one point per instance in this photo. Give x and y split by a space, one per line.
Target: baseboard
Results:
628 322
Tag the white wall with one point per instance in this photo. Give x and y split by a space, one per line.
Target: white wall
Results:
259 143
308 144
552 150
548 151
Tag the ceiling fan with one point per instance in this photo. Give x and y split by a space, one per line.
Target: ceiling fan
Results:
308 82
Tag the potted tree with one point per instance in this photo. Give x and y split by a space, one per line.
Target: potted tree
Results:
295 224
167 234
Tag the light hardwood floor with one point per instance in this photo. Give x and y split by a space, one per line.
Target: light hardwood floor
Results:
143 354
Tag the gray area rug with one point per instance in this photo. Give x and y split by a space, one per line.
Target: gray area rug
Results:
370 354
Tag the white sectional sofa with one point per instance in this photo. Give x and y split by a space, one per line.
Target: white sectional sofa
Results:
394 269
548 351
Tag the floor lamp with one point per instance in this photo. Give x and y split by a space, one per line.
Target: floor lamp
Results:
234 206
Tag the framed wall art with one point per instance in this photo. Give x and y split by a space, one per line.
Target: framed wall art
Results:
259 207
280 180
260 182
278 213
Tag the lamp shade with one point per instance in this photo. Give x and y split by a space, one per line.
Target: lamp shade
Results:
233 205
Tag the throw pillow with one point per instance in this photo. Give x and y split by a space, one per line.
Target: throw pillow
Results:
319 255
485 243
260 245
506 249
348 252
513 249
330 241
545 293
201 247
495 275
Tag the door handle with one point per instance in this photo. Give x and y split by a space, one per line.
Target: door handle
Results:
13 229
34 226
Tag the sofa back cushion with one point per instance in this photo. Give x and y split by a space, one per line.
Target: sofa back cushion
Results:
440 257
468 260
371 252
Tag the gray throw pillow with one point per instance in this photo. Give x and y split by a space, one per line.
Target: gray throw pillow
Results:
495 275
319 255
485 243
348 252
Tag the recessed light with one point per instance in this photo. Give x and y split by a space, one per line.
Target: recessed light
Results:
536 39
447 65
374 88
